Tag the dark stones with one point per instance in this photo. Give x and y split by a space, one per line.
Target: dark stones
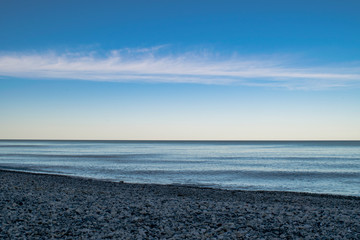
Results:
73 208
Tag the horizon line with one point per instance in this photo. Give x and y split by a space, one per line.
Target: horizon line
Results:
188 140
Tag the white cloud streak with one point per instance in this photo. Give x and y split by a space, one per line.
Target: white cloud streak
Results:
142 65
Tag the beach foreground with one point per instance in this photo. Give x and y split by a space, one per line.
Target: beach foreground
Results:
36 206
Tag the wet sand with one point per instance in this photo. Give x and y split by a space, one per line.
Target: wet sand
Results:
40 206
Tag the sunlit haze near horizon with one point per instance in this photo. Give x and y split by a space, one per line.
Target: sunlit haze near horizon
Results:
180 70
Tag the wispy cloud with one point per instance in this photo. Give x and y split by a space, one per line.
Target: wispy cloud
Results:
145 65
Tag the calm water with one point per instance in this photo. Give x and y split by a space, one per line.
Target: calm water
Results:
319 167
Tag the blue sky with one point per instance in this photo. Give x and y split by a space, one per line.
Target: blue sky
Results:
222 70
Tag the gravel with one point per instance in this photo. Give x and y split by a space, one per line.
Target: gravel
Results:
39 206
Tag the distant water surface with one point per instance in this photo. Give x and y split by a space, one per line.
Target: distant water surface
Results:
331 167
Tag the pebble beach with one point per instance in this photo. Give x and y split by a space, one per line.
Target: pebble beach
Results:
41 206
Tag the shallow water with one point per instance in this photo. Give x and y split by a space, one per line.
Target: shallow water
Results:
303 166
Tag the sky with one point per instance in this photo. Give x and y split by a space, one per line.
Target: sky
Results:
180 70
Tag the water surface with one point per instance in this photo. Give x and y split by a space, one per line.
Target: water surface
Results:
303 166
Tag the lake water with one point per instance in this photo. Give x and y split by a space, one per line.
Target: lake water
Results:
303 166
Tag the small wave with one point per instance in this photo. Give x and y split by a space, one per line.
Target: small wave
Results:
249 174
22 146
99 156
257 158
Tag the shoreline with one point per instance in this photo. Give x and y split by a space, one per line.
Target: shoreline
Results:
326 195
36 205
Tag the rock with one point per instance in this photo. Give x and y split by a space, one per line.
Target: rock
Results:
71 208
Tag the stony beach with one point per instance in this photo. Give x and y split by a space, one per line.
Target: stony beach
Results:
39 206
